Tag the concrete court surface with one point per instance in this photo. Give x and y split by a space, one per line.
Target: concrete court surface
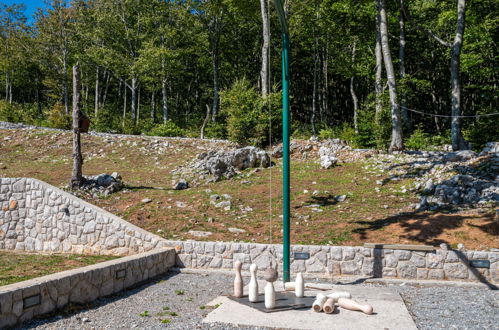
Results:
390 312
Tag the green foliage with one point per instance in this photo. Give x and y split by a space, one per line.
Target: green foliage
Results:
343 132
167 129
20 113
420 140
217 130
57 118
249 119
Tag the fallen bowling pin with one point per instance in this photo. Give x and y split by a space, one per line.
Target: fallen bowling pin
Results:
355 306
319 302
338 295
329 306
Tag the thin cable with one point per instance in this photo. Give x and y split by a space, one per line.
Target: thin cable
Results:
446 116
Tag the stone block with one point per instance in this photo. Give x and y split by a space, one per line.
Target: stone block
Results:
349 268
391 261
348 253
422 274
456 271
216 262
389 272
402 254
314 265
297 266
435 274
434 261
418 260
336 253
406 269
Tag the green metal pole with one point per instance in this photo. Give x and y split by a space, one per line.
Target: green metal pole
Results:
285 158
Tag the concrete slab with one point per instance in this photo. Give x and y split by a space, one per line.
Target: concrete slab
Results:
390 313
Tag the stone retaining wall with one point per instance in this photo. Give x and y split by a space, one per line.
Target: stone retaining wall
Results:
329 261
35 216
22 301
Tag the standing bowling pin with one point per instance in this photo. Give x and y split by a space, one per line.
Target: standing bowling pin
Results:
253 284
238 281
269 295
355 306
299 286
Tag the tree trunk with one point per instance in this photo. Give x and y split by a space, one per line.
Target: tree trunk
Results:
133 89
403 101
458 142
10 90
216 87
153 106
65 82
206 119
106 89
76 177
6 85
378 87
124 103
354 96
138 107
397 142
96 92
165 101
325 84
264 72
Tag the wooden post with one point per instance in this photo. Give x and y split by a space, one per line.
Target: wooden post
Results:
76 177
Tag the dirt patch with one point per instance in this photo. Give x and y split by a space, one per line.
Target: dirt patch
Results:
369 213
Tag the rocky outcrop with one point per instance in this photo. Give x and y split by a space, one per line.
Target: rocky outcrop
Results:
447 179
102 184
216 165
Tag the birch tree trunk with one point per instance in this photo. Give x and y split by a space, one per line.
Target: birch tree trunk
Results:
264 72
133 89
354 96
153 106
76 176
65 81
96 106
403 100
378 87
397 142
165 101
458 142
216 87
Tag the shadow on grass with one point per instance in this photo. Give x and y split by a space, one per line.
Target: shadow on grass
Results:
424 228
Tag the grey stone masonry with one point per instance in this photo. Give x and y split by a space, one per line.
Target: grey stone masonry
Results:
330 261
20 302
35 216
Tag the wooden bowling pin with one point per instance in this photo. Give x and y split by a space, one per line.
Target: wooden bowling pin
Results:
269 295
338 295
319 302
238 280
299 285
253 284
329 306
354 306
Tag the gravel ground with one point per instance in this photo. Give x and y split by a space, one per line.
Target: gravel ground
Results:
177 301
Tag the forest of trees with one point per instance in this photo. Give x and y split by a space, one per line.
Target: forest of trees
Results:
377 73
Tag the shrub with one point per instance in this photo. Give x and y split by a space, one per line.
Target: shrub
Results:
167 129
344 132
57 118
250 117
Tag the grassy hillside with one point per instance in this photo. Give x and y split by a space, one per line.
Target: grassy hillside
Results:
370 212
